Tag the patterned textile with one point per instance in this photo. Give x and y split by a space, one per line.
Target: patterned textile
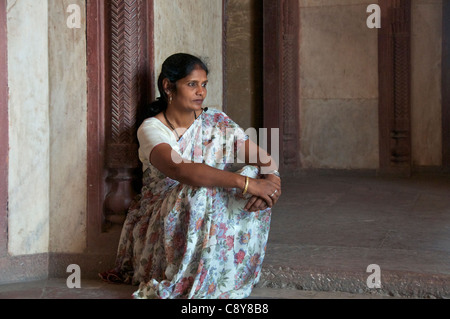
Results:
180 241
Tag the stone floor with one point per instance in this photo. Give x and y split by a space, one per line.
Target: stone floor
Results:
97 289
325 232
330 227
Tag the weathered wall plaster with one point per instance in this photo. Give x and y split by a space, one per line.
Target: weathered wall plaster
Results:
339 86
194 27
426 95
68 123
244 62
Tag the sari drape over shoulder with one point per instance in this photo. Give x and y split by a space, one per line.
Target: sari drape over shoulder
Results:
180 241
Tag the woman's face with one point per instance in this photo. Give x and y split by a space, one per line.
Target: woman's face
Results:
191 91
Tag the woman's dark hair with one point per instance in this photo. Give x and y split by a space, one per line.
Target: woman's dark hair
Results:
176 67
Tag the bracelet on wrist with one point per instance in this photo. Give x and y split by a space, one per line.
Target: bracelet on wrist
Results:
246 185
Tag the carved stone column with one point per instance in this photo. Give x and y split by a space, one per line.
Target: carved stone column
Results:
395 87
446 85
290 97
282 76
128 92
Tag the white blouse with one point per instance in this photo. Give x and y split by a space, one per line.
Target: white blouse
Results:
150 134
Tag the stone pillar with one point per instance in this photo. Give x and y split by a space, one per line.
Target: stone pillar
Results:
446 84
4 127
395 87
128 92
29 134
281 77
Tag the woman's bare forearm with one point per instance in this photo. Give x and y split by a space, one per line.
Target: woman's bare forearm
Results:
195 174
202 175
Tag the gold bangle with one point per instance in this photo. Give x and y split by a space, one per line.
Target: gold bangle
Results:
246 186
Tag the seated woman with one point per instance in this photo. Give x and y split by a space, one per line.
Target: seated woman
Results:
200 226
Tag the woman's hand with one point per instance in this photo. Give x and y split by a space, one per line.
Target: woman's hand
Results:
266 193
255 204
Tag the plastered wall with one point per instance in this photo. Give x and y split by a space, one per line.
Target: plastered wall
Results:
426 85
68 126
244 92
194 27
339 86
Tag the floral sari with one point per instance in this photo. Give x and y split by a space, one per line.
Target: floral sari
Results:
180 241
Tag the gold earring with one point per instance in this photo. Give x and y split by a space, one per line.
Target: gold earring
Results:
170 99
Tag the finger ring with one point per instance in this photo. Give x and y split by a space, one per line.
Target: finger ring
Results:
272 194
